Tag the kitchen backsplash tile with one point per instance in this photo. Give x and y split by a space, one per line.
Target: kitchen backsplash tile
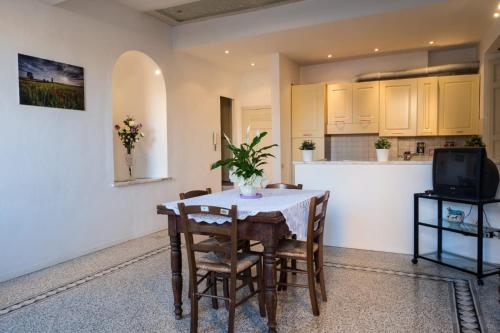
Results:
361 147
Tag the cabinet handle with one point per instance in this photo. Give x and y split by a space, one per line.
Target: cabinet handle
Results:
307 134
396 133
339 121
459 131
365 121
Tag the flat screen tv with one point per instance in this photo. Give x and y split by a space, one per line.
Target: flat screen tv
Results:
464 173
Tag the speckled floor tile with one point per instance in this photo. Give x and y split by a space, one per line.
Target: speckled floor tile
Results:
137 297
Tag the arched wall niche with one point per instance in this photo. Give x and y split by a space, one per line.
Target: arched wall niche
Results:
138 90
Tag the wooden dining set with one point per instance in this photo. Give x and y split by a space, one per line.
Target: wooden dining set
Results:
228 252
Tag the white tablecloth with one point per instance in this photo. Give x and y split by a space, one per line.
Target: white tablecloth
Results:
293 204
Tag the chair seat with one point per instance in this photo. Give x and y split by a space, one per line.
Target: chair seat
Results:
217 242
215 263
292 248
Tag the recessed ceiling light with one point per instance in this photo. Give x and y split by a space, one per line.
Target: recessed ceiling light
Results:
226 52
376 50
431 42
329 56
496 15
252 64
157 72
499 6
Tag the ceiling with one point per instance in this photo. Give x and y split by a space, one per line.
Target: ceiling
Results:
450 23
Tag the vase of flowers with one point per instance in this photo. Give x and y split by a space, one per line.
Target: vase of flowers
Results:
130 134
245 167
307 147
382 146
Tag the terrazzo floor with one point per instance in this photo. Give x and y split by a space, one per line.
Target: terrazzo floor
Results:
126 288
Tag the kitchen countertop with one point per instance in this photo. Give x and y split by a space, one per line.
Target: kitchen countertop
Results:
415 162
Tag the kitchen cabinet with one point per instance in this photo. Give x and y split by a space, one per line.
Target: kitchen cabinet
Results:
318 154
458 112
427 104
398 107
308 110
353 108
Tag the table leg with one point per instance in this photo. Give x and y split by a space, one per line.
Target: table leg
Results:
270 285
176 266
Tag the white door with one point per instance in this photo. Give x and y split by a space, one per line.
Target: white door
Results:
259 119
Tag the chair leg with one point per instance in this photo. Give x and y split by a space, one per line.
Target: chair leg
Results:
232 305
312 287
283 275
248 277
225 290
213 280
319 265
294 262
194 314
316 264
260 286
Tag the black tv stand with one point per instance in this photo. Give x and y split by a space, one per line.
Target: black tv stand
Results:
477 266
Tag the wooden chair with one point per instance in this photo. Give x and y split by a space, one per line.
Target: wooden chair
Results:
285 186
310 251
211 241
220 260
195 193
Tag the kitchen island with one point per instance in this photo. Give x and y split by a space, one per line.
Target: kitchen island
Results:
371 206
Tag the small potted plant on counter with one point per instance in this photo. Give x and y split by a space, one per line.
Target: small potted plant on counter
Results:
307 148
382 145
475 141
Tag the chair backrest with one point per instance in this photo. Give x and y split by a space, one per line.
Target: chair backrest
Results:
195 193
285 186
226 230
316 220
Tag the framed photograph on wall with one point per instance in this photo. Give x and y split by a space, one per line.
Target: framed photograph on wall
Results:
50 83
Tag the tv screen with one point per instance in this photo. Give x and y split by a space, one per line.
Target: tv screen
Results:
464 172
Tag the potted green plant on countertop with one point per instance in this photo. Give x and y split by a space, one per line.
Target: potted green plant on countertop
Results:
382 145
245 167
307 148
475 141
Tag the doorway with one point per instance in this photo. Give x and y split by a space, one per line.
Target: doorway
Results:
226 126
259 119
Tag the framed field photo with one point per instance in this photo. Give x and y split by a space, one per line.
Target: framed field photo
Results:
50 83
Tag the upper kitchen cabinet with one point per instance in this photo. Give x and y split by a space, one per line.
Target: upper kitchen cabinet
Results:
339 118
398 107
308 110
459 105
353 108
427 115
366 97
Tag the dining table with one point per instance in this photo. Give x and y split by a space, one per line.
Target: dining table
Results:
275 214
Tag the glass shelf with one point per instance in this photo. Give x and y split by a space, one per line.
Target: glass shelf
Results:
464 228
463 263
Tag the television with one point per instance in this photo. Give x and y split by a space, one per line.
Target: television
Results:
464 173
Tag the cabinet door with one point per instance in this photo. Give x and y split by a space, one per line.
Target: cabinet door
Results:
366 106
308 110
427 101
339 107
319 153
398 108
459 105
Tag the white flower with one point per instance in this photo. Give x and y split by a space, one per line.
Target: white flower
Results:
131 123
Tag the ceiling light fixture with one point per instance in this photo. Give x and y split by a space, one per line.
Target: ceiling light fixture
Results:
431 42
226 52
376 50
252 64
498 6
496 15
157 72
329 56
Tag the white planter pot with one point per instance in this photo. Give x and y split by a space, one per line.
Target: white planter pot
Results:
382 155
307 155
248 190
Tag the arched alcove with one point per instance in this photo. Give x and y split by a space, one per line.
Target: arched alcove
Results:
139 91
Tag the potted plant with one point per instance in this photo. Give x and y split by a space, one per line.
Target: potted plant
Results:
307 148
382 145
245 167
475 141
129 135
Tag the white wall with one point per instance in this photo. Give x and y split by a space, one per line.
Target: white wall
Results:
56 199
138 90
284 73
